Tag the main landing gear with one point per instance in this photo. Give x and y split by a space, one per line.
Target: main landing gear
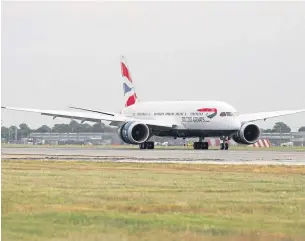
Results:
203 145
147 145
224 145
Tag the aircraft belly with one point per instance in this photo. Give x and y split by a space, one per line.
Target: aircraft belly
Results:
196 133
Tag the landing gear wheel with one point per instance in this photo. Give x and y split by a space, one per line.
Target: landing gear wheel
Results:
226 146
147 145
201 145
204 145
143 145
195 145
150 145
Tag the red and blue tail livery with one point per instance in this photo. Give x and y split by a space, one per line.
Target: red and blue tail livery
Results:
128 87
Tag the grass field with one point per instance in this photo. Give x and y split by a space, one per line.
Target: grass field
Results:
238 147
45 200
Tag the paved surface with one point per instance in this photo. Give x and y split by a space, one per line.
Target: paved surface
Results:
159 155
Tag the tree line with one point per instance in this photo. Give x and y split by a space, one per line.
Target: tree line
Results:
8 133
281 127
23 131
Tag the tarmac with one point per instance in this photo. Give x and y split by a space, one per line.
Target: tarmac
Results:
189 156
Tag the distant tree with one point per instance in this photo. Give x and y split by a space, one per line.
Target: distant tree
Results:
78 127
12 132
267 130
62 128
86 128
281 127
4 133
111 129
98 127
302 128
75 126
24 130
44 129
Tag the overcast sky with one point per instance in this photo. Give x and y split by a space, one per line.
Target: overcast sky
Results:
251 55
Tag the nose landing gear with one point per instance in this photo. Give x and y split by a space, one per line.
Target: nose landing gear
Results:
224 145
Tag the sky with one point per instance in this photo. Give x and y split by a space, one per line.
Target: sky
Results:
57 54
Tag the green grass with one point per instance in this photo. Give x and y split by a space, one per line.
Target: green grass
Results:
238 147
45 200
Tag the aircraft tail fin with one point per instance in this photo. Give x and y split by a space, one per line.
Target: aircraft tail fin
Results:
128 85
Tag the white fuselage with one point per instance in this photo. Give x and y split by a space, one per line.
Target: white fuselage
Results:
188 115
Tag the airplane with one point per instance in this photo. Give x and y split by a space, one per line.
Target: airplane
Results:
139 121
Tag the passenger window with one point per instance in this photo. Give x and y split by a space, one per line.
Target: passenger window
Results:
229 113
222 114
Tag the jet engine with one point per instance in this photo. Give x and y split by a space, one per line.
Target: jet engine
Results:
134 132
248 134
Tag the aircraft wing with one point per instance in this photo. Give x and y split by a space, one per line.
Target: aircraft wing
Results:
115 119
266 115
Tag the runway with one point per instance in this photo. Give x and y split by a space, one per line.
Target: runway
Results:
189 156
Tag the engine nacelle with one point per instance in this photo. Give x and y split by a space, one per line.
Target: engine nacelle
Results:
134 132
248 134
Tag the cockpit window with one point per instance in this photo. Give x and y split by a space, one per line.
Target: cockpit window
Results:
223 114
229 113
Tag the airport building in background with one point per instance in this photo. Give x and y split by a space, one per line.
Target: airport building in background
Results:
276 139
